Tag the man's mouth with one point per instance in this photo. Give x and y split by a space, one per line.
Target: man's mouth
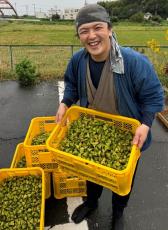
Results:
94 44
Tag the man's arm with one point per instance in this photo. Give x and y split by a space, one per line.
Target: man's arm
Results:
140 135
70 93
149 96
60 112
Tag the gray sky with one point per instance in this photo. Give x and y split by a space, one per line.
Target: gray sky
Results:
28 6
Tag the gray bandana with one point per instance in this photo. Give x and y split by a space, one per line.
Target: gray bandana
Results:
92 13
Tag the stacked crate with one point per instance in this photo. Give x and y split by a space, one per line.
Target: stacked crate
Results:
68 172
64 185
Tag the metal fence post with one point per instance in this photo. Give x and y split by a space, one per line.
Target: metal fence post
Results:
11 57
71 50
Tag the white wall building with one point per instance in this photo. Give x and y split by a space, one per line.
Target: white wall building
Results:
70 13
41 15
147 16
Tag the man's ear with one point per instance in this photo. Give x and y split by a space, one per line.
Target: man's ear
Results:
110 33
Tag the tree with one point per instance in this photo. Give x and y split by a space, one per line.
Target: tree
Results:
124 9
157 7
55 17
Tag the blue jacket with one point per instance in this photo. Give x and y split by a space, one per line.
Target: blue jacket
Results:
138 90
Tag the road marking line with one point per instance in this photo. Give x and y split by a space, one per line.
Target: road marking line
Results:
72 203
60 90
71 226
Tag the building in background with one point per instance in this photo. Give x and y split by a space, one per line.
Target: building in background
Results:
33 10
70 13
40 15
147 16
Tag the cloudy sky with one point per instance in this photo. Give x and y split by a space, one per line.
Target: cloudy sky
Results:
28 6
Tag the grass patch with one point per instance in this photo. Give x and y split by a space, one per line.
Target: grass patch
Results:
45 34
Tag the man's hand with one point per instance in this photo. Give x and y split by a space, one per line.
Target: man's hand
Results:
140 135
60 112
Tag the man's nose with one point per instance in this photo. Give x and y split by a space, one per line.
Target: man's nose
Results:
92 34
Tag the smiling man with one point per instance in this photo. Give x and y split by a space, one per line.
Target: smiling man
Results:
94 37
112 79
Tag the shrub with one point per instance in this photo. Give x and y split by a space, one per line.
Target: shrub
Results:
26 73
138 17
156 18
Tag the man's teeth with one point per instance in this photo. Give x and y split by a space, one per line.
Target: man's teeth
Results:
93 43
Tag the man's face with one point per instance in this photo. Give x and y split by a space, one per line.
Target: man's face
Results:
94 37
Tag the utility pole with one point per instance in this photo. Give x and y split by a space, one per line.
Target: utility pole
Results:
27 9
85 3
34 6
55 9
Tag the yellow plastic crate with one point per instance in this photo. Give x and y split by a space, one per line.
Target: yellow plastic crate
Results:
117 181
38 155
6 173
47 176
19 153
68 186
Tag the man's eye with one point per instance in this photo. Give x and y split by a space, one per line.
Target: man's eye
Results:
83 32
98 28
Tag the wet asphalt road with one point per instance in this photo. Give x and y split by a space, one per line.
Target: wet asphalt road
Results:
148 205
17 107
